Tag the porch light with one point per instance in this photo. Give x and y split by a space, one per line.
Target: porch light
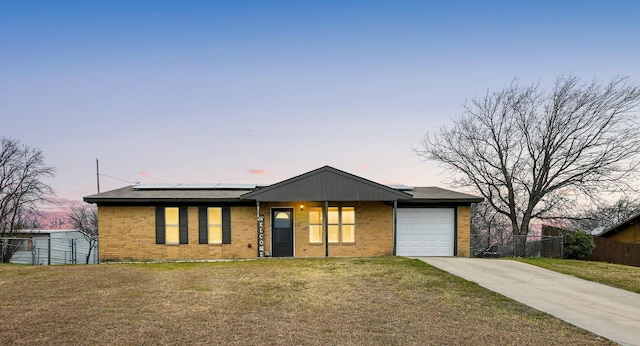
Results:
301 207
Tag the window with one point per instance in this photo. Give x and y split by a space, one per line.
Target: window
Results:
214 225
172 225
333 224
315 225
341 225
348 223
26 244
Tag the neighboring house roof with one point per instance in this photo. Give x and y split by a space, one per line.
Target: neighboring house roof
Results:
326 184
49 231
633 219
44 231
323 184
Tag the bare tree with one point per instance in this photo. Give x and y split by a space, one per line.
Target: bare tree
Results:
56 222
532 154
84 217
488 227
22 189
605 215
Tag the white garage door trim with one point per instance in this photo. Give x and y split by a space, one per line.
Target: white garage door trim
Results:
425 232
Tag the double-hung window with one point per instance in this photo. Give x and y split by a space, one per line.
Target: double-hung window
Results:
214 225
333 224
171 225
341 224
348 224
315 225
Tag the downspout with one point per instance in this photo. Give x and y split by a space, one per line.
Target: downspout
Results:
325 215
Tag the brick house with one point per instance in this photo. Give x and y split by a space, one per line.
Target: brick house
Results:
324 212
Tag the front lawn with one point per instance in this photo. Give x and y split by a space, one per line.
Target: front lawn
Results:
370 301
615 275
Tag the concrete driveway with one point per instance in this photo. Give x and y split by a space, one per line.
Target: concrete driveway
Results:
610 312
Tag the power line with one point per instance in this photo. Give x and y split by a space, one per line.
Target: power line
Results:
126 181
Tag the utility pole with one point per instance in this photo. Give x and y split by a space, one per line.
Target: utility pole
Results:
98 174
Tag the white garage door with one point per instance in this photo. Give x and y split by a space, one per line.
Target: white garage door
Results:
425 232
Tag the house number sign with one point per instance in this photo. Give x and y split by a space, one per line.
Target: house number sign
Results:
261 236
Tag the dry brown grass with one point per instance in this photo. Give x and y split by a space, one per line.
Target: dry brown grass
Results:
372 301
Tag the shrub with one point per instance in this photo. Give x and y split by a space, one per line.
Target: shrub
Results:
577 245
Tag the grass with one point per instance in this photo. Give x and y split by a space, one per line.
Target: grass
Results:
361 301
615 275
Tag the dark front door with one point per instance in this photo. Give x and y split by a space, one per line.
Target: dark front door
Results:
282 232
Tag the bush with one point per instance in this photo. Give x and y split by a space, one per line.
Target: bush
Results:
577 245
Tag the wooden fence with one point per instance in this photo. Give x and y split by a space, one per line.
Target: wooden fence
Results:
615 252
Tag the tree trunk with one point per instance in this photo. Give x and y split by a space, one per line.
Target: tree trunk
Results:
520 245
520 238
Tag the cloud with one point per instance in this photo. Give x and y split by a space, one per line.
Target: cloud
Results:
144 174
258 171
363 167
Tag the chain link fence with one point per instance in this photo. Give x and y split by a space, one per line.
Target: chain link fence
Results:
41 251
512 246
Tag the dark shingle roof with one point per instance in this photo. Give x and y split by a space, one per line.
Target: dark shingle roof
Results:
130 194
323 183
438 193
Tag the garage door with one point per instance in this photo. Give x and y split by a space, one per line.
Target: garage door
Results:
425 232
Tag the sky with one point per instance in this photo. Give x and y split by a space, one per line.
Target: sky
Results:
261 91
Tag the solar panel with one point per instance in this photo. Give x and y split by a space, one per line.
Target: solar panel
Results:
182 186
401 187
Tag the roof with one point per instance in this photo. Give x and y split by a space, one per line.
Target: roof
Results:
129 194
44 231
437 194
326 184
181 186
633 219
323 184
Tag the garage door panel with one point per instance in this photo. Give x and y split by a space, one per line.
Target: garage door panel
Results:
425 232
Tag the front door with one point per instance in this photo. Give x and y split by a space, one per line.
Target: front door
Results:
282 232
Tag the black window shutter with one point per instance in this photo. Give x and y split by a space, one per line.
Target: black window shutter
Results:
203 226
226 225
160 225
184 225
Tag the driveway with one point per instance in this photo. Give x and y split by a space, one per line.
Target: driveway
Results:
610 312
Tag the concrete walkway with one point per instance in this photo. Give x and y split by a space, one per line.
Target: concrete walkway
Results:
606 311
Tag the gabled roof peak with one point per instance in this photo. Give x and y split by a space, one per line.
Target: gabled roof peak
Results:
326 184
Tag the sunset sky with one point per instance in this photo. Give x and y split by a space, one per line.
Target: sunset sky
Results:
260 91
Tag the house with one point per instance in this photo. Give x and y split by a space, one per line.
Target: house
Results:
619 244
324 212
627 231
57 246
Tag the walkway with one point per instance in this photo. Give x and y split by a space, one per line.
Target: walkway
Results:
610 312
